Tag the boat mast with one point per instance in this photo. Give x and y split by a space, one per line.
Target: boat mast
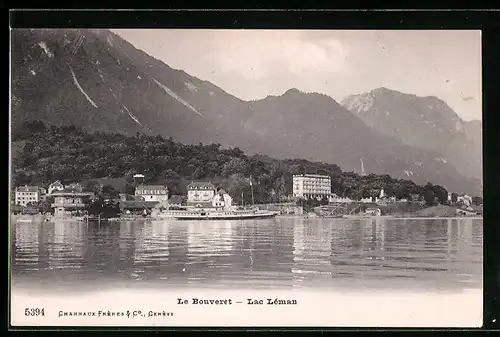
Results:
251 188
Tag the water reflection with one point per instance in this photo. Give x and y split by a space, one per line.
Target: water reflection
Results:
68 246
151 252
26 240
312 250
283 252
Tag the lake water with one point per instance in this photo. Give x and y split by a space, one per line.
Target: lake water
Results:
443 255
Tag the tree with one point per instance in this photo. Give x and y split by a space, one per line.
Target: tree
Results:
106 210
44 206
199 172
280 187
454 198
429 195
92 186
109 192
234 166
440 193
129 188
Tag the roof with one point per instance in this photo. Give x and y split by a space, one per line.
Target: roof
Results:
200 185
175 199
71 191
312 176
152 187
74 186
137 204
127 196
57 182
222 191
27 189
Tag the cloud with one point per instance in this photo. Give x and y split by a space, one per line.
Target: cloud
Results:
254 54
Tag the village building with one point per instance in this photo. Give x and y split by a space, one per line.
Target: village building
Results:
373 212
222 200
70 201
333 198
126 197
288 198
136 204
55 186
465 199
43 193
467 211
158 193
383 199
200 194
311 186
18 209
75 186
28 195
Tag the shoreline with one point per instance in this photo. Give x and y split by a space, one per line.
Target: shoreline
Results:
44 218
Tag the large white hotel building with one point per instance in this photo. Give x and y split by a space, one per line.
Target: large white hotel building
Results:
310 186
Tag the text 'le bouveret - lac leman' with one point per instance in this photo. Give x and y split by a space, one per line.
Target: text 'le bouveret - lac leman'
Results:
267 301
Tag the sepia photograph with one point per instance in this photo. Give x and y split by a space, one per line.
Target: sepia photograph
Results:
246 178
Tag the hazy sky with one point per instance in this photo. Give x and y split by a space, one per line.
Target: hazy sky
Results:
252 64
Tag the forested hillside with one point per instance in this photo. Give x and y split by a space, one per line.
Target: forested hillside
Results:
45 154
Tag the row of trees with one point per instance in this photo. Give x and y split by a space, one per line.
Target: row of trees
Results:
70 154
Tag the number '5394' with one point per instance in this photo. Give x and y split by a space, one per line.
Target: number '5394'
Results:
34 312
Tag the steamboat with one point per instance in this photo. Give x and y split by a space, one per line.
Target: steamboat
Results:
216 214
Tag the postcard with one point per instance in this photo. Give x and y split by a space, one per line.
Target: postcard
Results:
246 178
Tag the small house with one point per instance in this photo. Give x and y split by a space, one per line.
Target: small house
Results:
129 197
200 194
158 193
373 211
27 195
55 186
75 186
137 206
70 201
222 200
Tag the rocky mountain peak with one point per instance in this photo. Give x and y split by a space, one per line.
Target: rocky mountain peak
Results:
426 122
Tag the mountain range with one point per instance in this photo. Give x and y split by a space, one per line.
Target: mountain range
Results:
423 122
96 80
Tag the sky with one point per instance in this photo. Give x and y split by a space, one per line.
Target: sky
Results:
252 64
